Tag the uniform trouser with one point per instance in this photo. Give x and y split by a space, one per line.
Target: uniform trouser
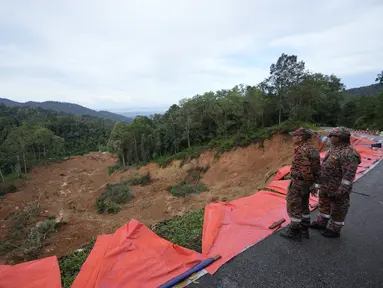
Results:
333 211
297 199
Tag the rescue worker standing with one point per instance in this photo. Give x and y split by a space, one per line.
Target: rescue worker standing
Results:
305 171
337 175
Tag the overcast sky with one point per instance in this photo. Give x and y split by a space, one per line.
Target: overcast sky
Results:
147 53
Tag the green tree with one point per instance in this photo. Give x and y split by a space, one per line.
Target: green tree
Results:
284 75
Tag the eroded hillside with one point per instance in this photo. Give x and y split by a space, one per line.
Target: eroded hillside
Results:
71 188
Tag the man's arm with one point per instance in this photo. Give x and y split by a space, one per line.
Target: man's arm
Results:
315 166
349 165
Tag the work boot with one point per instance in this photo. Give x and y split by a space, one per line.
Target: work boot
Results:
317 225
330 234
305 232
292 233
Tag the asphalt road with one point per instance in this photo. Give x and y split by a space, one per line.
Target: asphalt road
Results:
353 260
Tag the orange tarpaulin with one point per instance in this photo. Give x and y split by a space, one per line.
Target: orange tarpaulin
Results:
282 172
42 273
360 140
134 256
231 227
281 186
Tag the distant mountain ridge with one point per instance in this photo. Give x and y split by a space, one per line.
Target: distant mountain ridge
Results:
69 108
369 90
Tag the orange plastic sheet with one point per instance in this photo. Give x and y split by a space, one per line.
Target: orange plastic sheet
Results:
282 172
42 273
368 153
231 227
281 186
134 256
355 140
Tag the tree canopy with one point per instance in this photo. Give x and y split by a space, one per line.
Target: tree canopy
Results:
289 93
33 135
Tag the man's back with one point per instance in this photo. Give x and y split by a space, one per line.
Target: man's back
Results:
306 163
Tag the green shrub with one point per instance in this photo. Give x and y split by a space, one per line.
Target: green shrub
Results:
182 189
140 179
36 238
7 188
6 247
185 230
113 168
70 265
226 145
114 195
27 241
190 153
289 126
15 176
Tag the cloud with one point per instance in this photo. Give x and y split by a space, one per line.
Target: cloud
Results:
348 49
154 53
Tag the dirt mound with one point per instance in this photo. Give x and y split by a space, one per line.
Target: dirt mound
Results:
71 187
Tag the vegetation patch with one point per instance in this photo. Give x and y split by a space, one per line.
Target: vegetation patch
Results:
114 195
37 236
70 265
191 184
138 179
117 168
7 188
185 230
287 177
182 189
187 154
257 136
25 237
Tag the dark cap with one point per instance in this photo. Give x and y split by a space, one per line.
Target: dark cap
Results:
301 132
340 132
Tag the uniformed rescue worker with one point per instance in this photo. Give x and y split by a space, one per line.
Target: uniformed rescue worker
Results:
305 171
337 175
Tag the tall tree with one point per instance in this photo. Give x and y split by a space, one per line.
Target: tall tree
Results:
284 75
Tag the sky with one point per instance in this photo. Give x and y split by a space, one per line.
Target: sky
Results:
124 55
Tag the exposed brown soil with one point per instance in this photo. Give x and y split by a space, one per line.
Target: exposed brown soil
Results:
73 186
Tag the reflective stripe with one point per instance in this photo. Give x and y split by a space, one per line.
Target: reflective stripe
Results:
317 185
346 182
338 223
306 215
295 220
324 215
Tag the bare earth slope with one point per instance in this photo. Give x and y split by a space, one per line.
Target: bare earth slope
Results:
73 186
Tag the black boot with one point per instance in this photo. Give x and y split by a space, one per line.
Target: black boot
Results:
292 233
305 232
330 234
317 225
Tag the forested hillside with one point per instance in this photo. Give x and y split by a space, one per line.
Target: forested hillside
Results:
240 115
69 108
291 95
33 135
370 90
